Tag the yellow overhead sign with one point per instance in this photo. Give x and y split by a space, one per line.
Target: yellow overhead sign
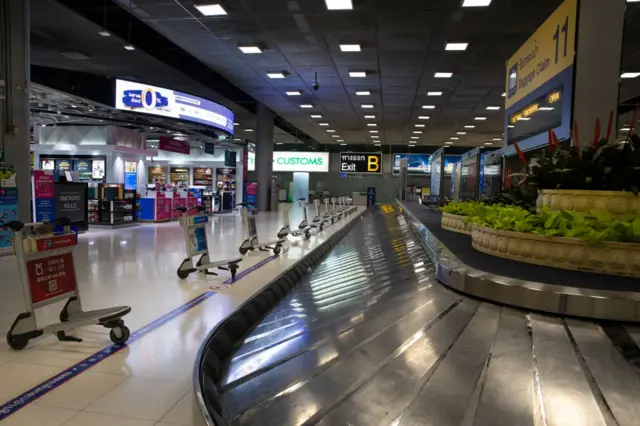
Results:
549 51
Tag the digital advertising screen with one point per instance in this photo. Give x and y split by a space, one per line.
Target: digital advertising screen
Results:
419 164
147 99
449 162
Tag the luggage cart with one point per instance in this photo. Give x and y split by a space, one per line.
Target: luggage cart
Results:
336 213
45 262
251 241
327 214
319 220
195 236
284 208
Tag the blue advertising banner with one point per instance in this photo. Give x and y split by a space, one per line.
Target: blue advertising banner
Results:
419 164
130 175
8 213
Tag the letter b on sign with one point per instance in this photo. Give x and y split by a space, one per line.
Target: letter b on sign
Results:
373 163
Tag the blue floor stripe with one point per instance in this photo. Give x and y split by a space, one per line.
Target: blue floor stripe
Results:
10 407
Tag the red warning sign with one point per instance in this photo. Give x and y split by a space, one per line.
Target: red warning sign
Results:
51 277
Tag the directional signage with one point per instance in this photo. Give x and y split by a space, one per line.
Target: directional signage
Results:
360 162
295 161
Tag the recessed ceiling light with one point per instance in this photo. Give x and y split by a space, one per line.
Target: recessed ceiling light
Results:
423 117
630 75
279 143
373 131
375 137
480 118
211 9
248 130
488 143
461 133
434 93
331 131
372 125
503 95
276 75
428 107
363 92
339 4
493 108
524 118
104 33
335 136
449 143
367 106
295 93
323 124
412 142
453 138
306 106
476 3
417 132
511 126
370 117
443 75
250 49
376 144
236 124
357 74
415 137
343 144
350 48
469 126
497 139
129 47
456 46
420 125
549 108
316 116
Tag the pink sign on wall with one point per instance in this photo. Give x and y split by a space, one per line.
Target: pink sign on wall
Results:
43 183
174 145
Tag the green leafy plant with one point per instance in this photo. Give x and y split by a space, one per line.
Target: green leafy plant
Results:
466 208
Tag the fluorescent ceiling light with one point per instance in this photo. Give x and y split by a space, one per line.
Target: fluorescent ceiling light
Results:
339 4
630 75
511 126
476 3
367 106
316 116
279 143
248 130
372 125
480 118
428 107
625 129
306 106
343 144
323 124
357 74
373 131
350 48
456 46
370 117
331 131
412 142
549 108
363 93
335 136
493 108
236 124
129 47
275 75
497 139
376 144
340 140
420 125
375 137
434 93
104 33
417 132
524 118
469 126
449 143
488 143
250 49
504 94
423 117
415 137
443 75
295 93
213 9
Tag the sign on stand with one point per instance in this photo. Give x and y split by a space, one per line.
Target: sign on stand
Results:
51 277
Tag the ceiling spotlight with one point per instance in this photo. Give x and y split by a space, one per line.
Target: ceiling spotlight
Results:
210 9
306 106
129 47
276 75
350 48
370 117
443 75
434 93
476 3
456 46
367 106
294 93
339 4
323 124
250 49
423 117
480 118
469 126
363 93
630 75
104 33
493 108
357 74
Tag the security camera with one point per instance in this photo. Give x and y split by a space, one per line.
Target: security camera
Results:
316 85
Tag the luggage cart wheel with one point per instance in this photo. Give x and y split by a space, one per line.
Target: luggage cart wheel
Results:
277 250
243 250
182 274
16 342
119 335
320 228
307 235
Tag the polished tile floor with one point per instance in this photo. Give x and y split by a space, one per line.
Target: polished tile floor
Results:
148 382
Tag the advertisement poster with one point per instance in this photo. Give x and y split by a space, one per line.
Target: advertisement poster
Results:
252 193
419 164
163 207
449 161
51 277
146 99
97 169
197 240
174 145
8 213
130 175
43 195
71 201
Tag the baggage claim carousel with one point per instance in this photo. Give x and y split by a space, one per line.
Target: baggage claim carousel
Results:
369 336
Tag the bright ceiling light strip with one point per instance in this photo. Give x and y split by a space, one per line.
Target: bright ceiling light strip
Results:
212 9
357 74
476 3
456 46
250 49
428 107
434 93
350 48
275 75
339 4
295 93
306 106
363 93
630 75
423 117
443 75
493 108
370 117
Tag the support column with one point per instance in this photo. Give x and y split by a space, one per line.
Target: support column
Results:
264 155
14 97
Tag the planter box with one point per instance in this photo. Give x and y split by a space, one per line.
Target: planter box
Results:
615 202
456 223
558 252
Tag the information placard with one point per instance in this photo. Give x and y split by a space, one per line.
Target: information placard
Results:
361 162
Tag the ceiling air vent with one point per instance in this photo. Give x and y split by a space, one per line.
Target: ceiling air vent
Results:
76 56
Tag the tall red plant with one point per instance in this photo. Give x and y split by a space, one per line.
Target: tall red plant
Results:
596 137
520 154
610 125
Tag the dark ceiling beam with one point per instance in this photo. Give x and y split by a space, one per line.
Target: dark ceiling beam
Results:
155 44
